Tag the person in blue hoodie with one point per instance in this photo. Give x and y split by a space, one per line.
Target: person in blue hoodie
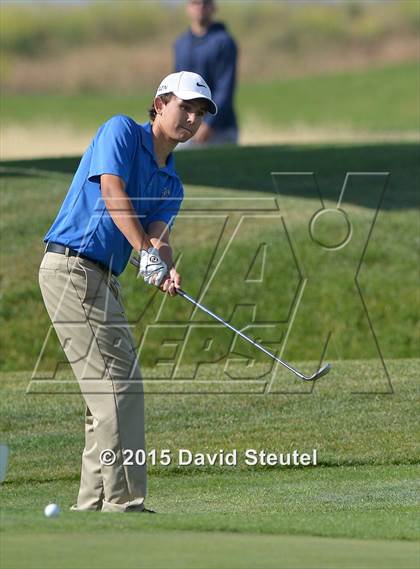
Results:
208 49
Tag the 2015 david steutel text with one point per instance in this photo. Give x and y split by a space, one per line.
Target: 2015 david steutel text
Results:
186 457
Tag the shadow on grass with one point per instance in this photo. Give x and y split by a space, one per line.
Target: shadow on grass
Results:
249 168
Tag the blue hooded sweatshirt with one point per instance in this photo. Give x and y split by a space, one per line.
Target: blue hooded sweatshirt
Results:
213 56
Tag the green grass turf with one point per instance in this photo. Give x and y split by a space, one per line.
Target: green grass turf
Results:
367 100
364 488
357 509
207 551
32 191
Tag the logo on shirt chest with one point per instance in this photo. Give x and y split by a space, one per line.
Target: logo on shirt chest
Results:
165 192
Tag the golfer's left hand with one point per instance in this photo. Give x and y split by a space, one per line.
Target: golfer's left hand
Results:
171 283
152 268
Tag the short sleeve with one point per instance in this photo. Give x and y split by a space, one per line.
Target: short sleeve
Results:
113 149
167 209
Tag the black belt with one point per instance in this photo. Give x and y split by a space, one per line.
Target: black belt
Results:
62 250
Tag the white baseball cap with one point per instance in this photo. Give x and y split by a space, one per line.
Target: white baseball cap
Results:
187 85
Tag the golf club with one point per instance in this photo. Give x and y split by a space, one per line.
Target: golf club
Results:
321 371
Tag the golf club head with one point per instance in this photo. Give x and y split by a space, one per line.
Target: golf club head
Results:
322 371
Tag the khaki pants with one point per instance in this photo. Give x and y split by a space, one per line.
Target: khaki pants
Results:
85 307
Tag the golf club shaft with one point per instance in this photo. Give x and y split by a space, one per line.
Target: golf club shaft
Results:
241 334
134 261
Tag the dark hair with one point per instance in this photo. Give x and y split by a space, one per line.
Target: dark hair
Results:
165 98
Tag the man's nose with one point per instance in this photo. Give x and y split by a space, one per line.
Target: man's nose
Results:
192 117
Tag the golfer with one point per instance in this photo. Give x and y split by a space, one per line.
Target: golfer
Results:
124 195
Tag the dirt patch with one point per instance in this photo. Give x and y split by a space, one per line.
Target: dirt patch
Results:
41 141
255 133
17 142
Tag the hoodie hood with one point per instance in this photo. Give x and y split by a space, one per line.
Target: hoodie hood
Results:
214 28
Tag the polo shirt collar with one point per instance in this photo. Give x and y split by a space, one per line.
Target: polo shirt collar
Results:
147 143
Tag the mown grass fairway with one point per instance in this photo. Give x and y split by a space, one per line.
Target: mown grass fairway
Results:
200 550
364 488
358 507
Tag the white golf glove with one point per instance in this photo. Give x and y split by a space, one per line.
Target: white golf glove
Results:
151 264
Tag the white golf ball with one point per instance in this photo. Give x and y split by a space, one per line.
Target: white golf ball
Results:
51 511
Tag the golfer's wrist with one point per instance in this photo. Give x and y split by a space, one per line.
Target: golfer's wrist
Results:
165 251
143 245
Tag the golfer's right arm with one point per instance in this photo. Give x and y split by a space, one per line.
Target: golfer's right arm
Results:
125 218
122 212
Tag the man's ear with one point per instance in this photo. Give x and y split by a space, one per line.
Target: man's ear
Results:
159 105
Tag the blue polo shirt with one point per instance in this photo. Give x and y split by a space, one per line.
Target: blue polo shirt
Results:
123 148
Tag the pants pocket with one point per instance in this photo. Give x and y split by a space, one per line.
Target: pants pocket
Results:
115 287
79 278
